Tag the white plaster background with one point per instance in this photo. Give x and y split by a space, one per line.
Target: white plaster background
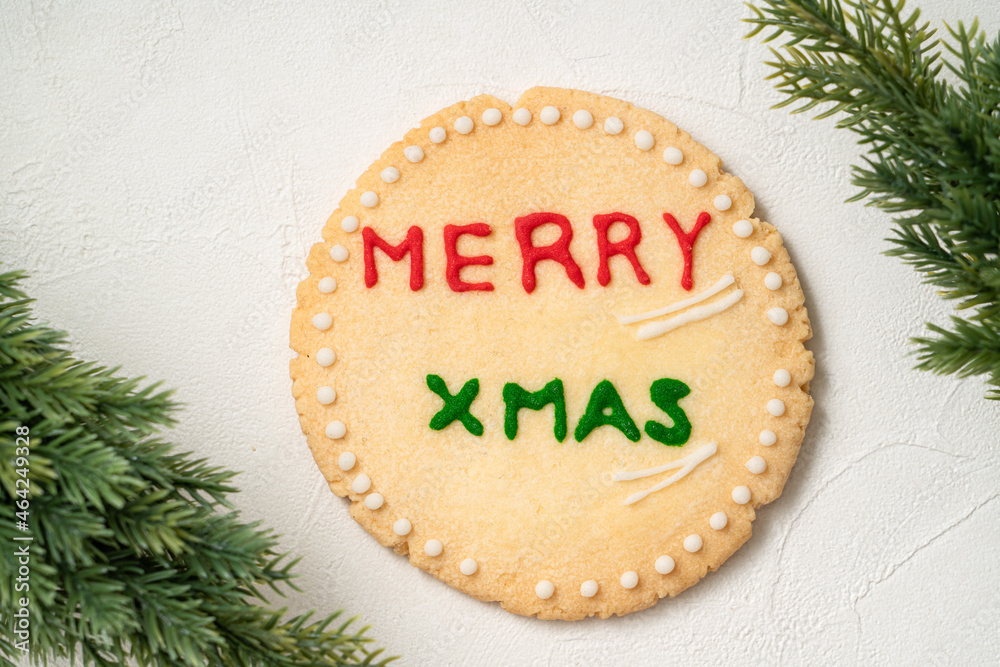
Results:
165 167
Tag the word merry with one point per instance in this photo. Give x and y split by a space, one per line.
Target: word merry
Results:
531 255
605 408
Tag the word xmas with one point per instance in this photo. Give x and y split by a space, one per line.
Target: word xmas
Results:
557 251
605 408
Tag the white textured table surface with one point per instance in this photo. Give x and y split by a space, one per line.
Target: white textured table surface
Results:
165 167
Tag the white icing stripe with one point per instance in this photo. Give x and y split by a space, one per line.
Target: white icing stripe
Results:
724 282
654 329
686 465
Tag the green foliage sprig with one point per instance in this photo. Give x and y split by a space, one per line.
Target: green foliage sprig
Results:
933 148
135 550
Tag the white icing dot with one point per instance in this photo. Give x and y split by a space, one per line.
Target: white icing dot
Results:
718 521
693 543
723 202
776 407
760 255
492 117
339 253
336 430
583 119
644 140
390 175
349 224
743 228
322 321
614 125
757 465
673 155
588 589
464 125
778 316
522 116
550 115
326 395
697 178
630 579
433 548
664 564
767 437
438 134
741 495
361 483
413 153
369 199
782 378
468 567
402 527
325 356
544 589
327 285
346 461
374 501
773 281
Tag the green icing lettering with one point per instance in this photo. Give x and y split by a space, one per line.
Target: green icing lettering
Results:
455 407
604 397
516 397
665 394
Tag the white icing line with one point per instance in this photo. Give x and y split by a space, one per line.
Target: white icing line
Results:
654 329
685 463
724 282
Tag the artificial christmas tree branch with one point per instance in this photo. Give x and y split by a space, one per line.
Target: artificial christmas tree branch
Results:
117 547
933 148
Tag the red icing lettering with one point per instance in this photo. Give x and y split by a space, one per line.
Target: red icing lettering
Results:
606 249
558 251
456 262
414 244
686 241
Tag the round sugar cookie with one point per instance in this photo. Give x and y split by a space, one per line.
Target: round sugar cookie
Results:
550 356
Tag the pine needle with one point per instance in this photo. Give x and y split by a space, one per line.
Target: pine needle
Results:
933 149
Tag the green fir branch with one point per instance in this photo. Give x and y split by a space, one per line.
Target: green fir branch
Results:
933 148
136 552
